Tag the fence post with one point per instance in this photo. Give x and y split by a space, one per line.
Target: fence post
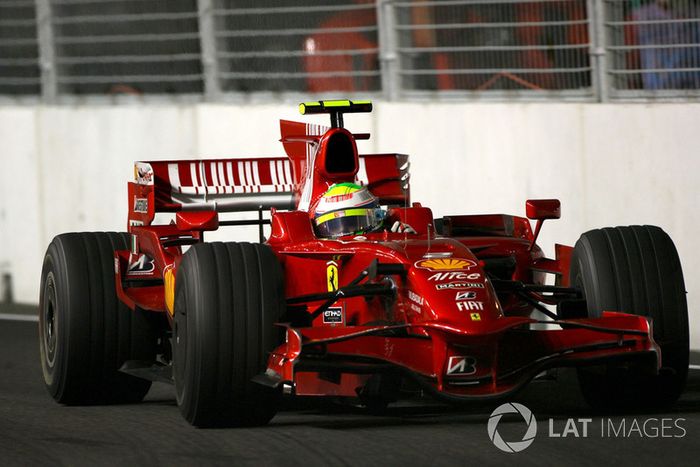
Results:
597 52
388 55
207 45
47 53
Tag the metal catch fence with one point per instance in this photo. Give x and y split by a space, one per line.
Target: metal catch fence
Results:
215 49
19 52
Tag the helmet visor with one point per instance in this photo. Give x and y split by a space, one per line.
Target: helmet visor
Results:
348 222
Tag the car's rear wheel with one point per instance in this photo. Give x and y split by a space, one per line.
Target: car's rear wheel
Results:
635 270
228 297
85 332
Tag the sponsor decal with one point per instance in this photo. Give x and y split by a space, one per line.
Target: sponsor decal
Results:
461 365
414 297
415 308
140 265
475 316
469 306
332 276
141 205
445 264
450 276
169 280
143 173
459 285
333 315
465 296
135 223
338 198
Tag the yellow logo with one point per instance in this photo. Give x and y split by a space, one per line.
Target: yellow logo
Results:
446 264
475 316
169 279
332 276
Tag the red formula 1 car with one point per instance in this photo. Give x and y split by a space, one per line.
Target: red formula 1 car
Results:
455 306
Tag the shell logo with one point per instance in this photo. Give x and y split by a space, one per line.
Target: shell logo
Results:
445 264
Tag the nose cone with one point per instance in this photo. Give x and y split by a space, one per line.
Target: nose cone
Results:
454 291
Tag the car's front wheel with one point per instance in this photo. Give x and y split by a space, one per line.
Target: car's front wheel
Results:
228 297
635 270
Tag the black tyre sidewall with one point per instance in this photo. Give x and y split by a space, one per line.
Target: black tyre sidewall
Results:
228 295
95 332
634 270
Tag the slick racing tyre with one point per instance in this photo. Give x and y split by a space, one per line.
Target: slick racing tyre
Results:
227 298
85 332
634 270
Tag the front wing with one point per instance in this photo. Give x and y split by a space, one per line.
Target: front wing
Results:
453 363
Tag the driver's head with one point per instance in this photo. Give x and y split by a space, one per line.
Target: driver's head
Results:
346 209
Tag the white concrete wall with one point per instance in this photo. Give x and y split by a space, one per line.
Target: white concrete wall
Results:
65 168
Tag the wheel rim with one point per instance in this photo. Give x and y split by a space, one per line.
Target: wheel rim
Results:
49 321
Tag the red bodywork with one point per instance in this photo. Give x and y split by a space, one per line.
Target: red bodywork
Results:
445 312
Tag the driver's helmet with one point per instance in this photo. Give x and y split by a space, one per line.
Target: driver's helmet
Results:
346 209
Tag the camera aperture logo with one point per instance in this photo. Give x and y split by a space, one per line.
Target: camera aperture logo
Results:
581 428
512 446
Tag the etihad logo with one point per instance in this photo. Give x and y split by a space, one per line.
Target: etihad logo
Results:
445 264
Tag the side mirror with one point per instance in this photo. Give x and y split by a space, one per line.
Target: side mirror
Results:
542 209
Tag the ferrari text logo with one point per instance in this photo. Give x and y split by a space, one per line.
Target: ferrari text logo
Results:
446 264
332 276
461 365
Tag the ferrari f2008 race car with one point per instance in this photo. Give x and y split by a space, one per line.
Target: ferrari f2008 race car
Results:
458 307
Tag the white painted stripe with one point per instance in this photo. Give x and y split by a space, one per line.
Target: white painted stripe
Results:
174 177
273 174
694 367
249 176
280 170
193 174
287 173
222 176
256 175
214 174
18 317
241 173
203 175
229 172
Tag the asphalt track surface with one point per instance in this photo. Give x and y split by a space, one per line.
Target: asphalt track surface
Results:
34 430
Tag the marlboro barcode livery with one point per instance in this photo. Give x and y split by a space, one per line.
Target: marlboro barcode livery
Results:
353 291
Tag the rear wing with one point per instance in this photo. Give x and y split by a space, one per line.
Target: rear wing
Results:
234 185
